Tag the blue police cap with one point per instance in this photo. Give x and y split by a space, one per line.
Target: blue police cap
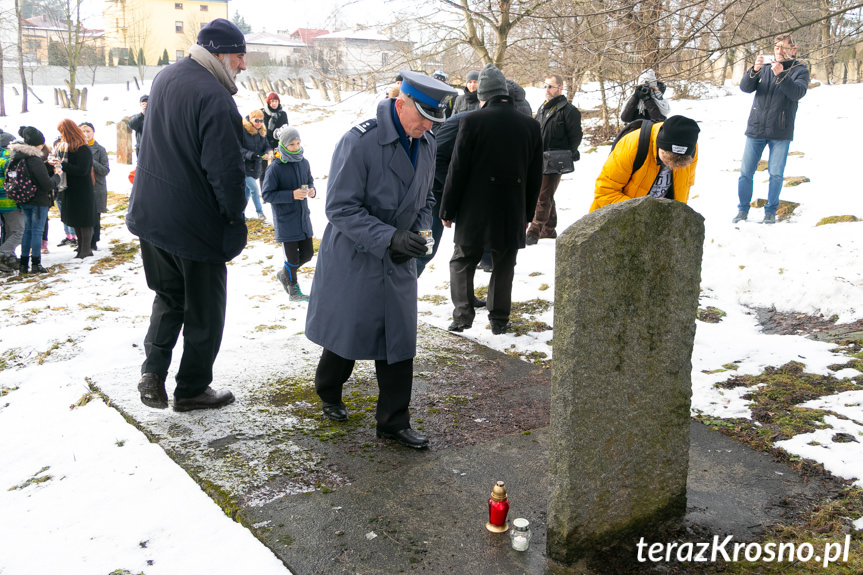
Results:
430 96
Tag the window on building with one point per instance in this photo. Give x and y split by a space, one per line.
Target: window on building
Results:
204 8
34 45
179 55
178 5
178 27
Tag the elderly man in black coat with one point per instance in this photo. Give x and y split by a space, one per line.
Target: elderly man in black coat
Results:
186 207
490 192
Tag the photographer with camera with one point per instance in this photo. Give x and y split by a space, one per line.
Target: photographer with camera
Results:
778 83
647 103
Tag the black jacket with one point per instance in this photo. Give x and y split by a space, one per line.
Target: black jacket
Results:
189 192
560 123
79 203
273 120
136 122
494 177
651 110
775 106
41 172
254 146
466 102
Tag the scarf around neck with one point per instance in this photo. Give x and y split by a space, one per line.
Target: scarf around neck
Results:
210 63
287 157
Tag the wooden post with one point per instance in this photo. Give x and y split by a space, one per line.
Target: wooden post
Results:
124 141
83 100
301 89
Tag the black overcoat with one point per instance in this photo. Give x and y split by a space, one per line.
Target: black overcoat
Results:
190 192
494 177
79 202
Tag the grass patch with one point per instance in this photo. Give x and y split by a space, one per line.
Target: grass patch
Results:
436 299
709 314
775 396
836 220
121 253
35 480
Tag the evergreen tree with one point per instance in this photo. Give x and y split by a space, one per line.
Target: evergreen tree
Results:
241 23
165 59
141 60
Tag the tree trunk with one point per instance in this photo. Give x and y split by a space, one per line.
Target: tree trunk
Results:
21 57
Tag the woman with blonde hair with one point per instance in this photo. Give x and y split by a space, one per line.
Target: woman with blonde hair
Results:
255 149
79 203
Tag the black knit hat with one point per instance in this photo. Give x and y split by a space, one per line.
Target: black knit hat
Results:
31 136
679 135
144 98
222 37
88 124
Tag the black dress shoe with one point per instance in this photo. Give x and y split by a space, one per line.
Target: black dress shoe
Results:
407 437
459 327
530 241
499 327
210 399
478 302
152 389
335 411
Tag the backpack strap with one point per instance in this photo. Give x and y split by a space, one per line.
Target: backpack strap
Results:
643 146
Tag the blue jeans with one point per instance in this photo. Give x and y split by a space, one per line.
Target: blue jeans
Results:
252 190
775 167
70 231
34 224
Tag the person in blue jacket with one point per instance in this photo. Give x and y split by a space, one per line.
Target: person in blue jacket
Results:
186 207
363 301
778 88
287 184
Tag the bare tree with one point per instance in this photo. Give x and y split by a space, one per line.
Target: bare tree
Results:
74 43
21 57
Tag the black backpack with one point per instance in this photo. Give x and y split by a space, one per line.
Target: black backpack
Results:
644 127
19 185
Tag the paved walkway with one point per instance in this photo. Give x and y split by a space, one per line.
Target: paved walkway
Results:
385 509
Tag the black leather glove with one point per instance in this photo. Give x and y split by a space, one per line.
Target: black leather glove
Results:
405 245
642 91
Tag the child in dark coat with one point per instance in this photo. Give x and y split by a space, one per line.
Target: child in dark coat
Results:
287 183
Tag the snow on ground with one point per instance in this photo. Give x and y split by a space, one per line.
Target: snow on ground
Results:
89 487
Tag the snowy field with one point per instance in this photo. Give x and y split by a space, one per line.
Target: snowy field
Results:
84 484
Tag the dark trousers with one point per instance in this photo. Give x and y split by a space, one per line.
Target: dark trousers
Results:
395 382
97 229
298 253
191 296
545 218
462 268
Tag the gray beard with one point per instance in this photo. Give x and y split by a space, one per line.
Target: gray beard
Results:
226 64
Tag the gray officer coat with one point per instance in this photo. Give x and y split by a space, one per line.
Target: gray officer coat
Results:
361 304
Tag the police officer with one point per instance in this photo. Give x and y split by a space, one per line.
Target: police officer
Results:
363 300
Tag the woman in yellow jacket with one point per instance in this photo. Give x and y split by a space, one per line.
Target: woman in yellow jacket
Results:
667 172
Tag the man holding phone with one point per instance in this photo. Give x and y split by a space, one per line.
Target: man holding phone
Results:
778 85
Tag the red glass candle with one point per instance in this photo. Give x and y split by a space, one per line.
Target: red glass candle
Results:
498 507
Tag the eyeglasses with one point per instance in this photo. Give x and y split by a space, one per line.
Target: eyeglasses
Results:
258 121
550 87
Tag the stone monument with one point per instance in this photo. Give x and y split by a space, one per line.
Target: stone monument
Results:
626 295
